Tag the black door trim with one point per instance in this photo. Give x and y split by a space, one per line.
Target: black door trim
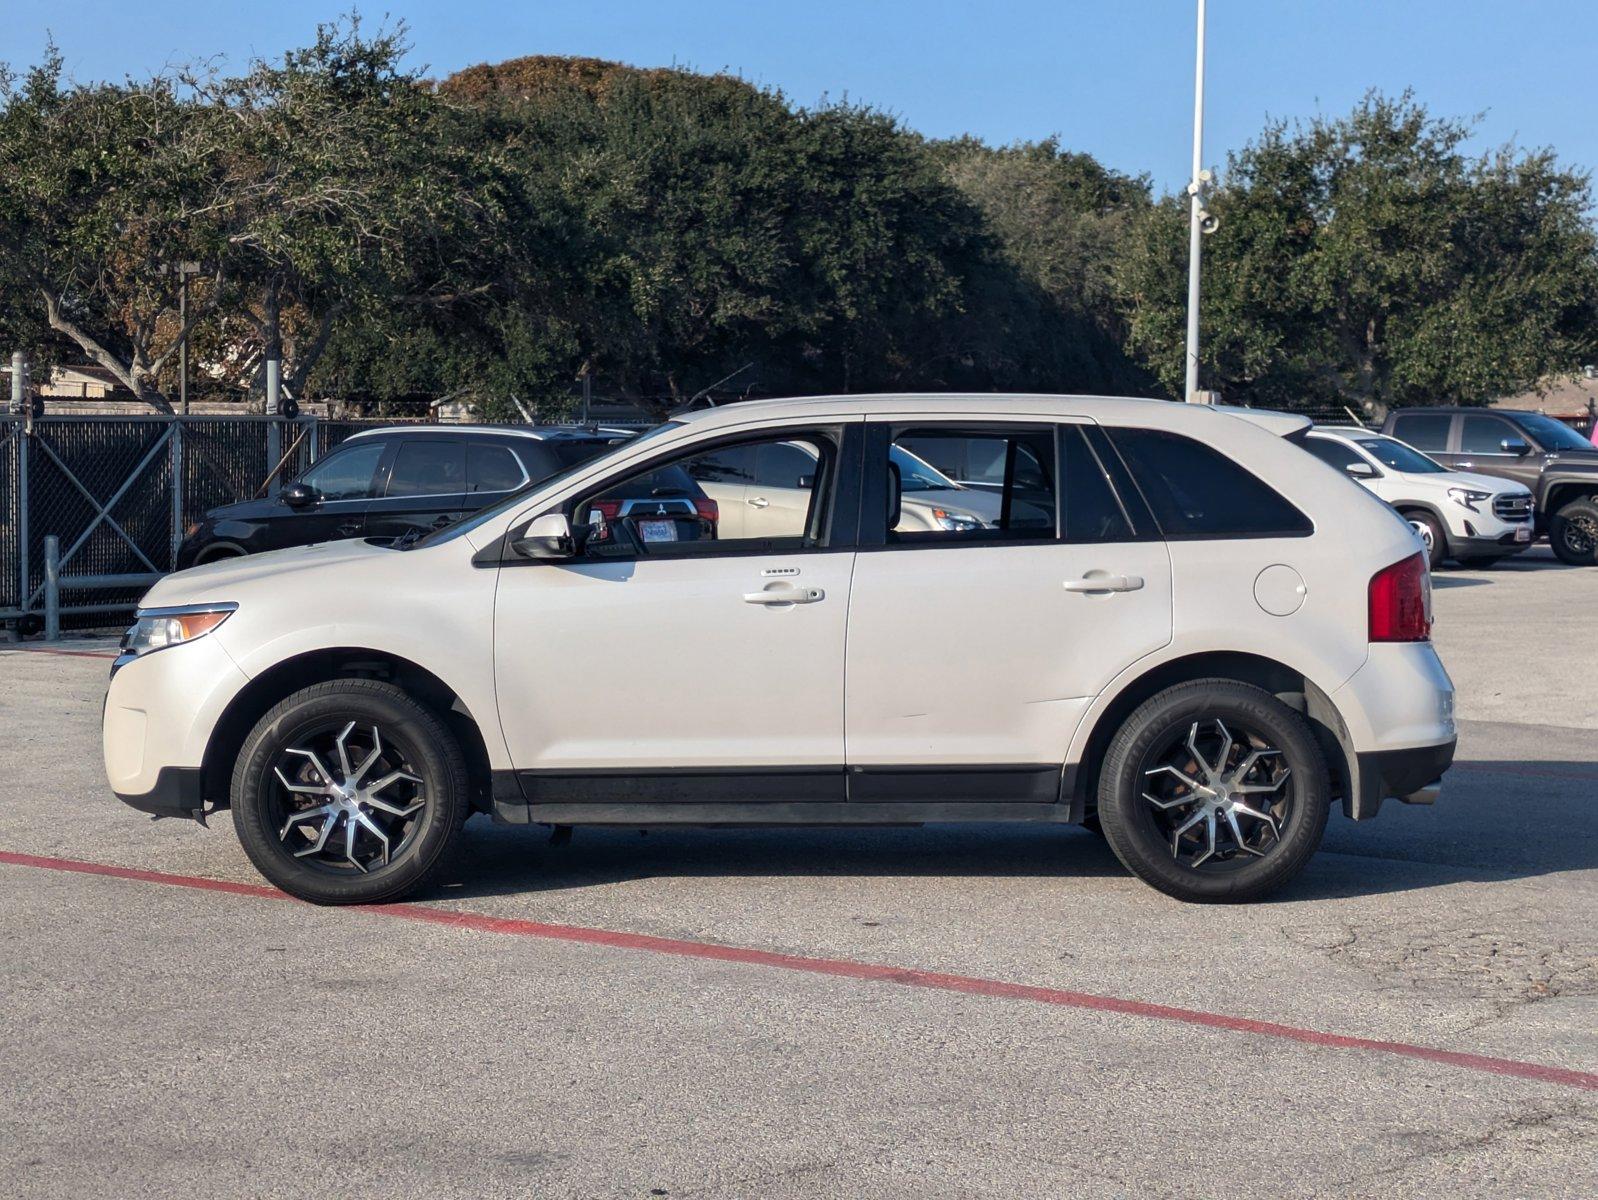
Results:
772 790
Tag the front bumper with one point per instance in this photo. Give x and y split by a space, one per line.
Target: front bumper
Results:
175 793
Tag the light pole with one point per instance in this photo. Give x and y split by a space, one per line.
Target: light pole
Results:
1200 222
183 270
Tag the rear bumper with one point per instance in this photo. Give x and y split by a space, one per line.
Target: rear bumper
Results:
175 793
1412 775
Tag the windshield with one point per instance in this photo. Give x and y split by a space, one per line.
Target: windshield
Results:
1400 457
918 475
1551 434
449 532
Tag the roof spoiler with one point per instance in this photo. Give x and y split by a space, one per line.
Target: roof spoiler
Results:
1291 426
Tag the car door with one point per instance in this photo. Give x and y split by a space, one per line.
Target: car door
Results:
662 665
973 651
424 487
1481 448
343 482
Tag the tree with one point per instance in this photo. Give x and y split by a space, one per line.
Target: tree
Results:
99 192
1368 260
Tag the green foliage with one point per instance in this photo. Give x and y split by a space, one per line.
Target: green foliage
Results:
1368 259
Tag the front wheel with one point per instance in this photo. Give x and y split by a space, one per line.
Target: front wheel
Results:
349 792
1573 533
1430 531
1214 791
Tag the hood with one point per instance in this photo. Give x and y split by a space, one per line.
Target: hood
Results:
1493 485
227 578
1572 460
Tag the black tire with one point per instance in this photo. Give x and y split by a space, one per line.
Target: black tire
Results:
414 743
1431 534
1132 824
1573 532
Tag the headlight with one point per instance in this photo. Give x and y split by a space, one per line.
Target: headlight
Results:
1468 497
945 519
157 628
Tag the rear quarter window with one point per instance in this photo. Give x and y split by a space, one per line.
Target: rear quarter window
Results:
1197 492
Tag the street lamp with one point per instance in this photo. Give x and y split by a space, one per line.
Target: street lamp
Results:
1200 222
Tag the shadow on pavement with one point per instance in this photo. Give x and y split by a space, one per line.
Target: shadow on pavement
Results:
1495 821
1456 581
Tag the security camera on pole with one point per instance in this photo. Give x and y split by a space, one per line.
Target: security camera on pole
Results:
1200 222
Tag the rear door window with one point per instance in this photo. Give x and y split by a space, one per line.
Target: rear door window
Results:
428 468
1016 499
1196 492
1332 452
1093 513
491 467
1424 431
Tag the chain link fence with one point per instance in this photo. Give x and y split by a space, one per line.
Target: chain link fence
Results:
121 492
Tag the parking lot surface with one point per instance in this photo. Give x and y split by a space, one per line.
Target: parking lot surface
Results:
984 1011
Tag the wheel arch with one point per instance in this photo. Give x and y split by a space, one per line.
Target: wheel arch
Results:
1287 684
341 662
1562 492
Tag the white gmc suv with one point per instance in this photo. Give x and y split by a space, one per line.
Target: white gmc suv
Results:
1170 621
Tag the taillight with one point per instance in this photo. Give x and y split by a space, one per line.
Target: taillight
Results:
607 509
707 509
1401 602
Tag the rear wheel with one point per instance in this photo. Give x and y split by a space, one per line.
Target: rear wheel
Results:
1430 531
349 792
1214 791
1573 532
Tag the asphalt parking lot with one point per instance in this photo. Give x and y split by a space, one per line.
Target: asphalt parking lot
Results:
988 1011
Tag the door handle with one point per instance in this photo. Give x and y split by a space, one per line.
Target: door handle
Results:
1100 581
349 528
759 502
785 593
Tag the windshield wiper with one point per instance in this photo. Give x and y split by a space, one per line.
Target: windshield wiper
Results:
407 539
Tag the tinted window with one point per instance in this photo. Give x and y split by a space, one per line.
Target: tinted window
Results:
1019 501
491 468
731 464
1332 452
1481 435
1424 431
1552 434
784 464
1197 492
346 474
1092 513
428 468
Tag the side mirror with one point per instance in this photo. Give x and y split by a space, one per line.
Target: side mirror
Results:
1360 470
1513 445
549 536
299 495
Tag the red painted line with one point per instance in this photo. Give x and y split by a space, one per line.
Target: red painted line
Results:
850 969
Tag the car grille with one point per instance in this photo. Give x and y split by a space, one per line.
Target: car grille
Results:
1512 507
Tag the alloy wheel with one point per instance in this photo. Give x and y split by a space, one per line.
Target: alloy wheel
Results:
1218 795
349 800
1581 534
1424 531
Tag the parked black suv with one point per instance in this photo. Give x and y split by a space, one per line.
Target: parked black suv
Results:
1548 456
385 483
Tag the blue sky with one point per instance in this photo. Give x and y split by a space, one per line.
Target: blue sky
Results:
1114 79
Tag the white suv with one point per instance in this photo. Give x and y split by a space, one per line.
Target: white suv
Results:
1173 623
1473 519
